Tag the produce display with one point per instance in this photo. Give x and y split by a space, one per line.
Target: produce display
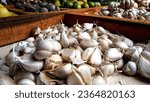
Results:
35 6
77 4
79 55
52 5
5 13
135 10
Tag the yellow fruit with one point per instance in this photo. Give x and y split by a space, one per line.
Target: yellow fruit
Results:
73 1
57 3
1 5
13 14
85 1
4 12
80 2
69 4
77 6
91 4
85 6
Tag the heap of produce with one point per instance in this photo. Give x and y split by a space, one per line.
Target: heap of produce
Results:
84 54
52 5
131 9
35 6
77 4
5 13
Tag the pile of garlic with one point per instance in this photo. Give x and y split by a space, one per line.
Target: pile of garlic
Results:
130 9
80 55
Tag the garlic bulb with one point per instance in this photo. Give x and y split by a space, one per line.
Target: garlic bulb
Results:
130 68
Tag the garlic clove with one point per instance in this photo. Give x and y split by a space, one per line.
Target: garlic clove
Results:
75 79
46 79
64 39
24 75
29 64
103 44
96 58
87 53
101 30
98 80
6 80
85 73
42 54
29 50
120 44
72 41
26 82
119 64
50 45
68 53
84 35
10 58
30 39
4 69
113 54
93 34
52 62
61 71
128 41
36 31
85 43
143 67
132 54
107 69
88 26
130 68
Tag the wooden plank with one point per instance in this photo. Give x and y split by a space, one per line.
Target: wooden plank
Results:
19 28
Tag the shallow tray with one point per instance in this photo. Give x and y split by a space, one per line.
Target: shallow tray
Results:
18 28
